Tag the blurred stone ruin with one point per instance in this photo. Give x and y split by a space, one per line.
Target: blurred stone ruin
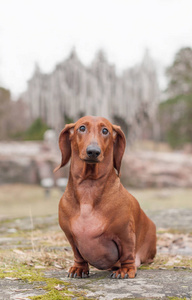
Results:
73 90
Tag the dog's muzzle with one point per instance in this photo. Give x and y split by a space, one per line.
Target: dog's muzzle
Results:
93 153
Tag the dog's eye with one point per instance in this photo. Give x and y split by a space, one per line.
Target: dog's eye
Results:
105 131
82 128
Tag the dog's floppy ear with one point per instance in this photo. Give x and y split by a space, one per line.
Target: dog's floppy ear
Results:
65 145
118 147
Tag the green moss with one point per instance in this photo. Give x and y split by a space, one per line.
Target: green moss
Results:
53 282
58 295
53 295
147 267
176 298
31 275
23 273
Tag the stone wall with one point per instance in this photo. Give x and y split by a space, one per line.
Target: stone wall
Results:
145 169
30 162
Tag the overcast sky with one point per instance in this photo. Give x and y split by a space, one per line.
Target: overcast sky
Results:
45 31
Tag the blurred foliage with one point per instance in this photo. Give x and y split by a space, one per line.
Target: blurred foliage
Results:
68 120
36 130
180 73
34 133
175 114
175 117
5 98
5 95
13 115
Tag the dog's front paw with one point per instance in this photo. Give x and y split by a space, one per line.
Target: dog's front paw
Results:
79 270
124 273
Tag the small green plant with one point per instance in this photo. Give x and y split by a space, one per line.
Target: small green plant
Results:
50 285
36 130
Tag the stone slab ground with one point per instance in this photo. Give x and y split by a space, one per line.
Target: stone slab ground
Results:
36 245
149 284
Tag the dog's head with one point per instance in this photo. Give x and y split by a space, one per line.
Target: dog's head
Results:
93 139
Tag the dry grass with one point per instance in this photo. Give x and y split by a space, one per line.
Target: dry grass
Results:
47 249
156 199
44 249
164 262
19 200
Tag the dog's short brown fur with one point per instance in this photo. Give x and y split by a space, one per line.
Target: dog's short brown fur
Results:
103 222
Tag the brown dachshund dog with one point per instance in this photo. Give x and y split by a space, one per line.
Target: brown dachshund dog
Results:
103 222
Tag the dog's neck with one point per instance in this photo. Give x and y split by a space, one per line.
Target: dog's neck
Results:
89 180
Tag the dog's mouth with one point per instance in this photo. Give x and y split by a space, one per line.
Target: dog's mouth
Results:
91 161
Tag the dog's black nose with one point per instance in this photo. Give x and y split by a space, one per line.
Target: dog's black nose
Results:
93 151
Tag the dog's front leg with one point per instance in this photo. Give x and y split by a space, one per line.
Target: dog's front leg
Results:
80 268
127 260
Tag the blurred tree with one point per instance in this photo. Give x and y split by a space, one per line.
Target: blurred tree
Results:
13 115
180 73
175 114
5 95
36 130
5 99
17 119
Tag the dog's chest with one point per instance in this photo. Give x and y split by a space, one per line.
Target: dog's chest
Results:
88 223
